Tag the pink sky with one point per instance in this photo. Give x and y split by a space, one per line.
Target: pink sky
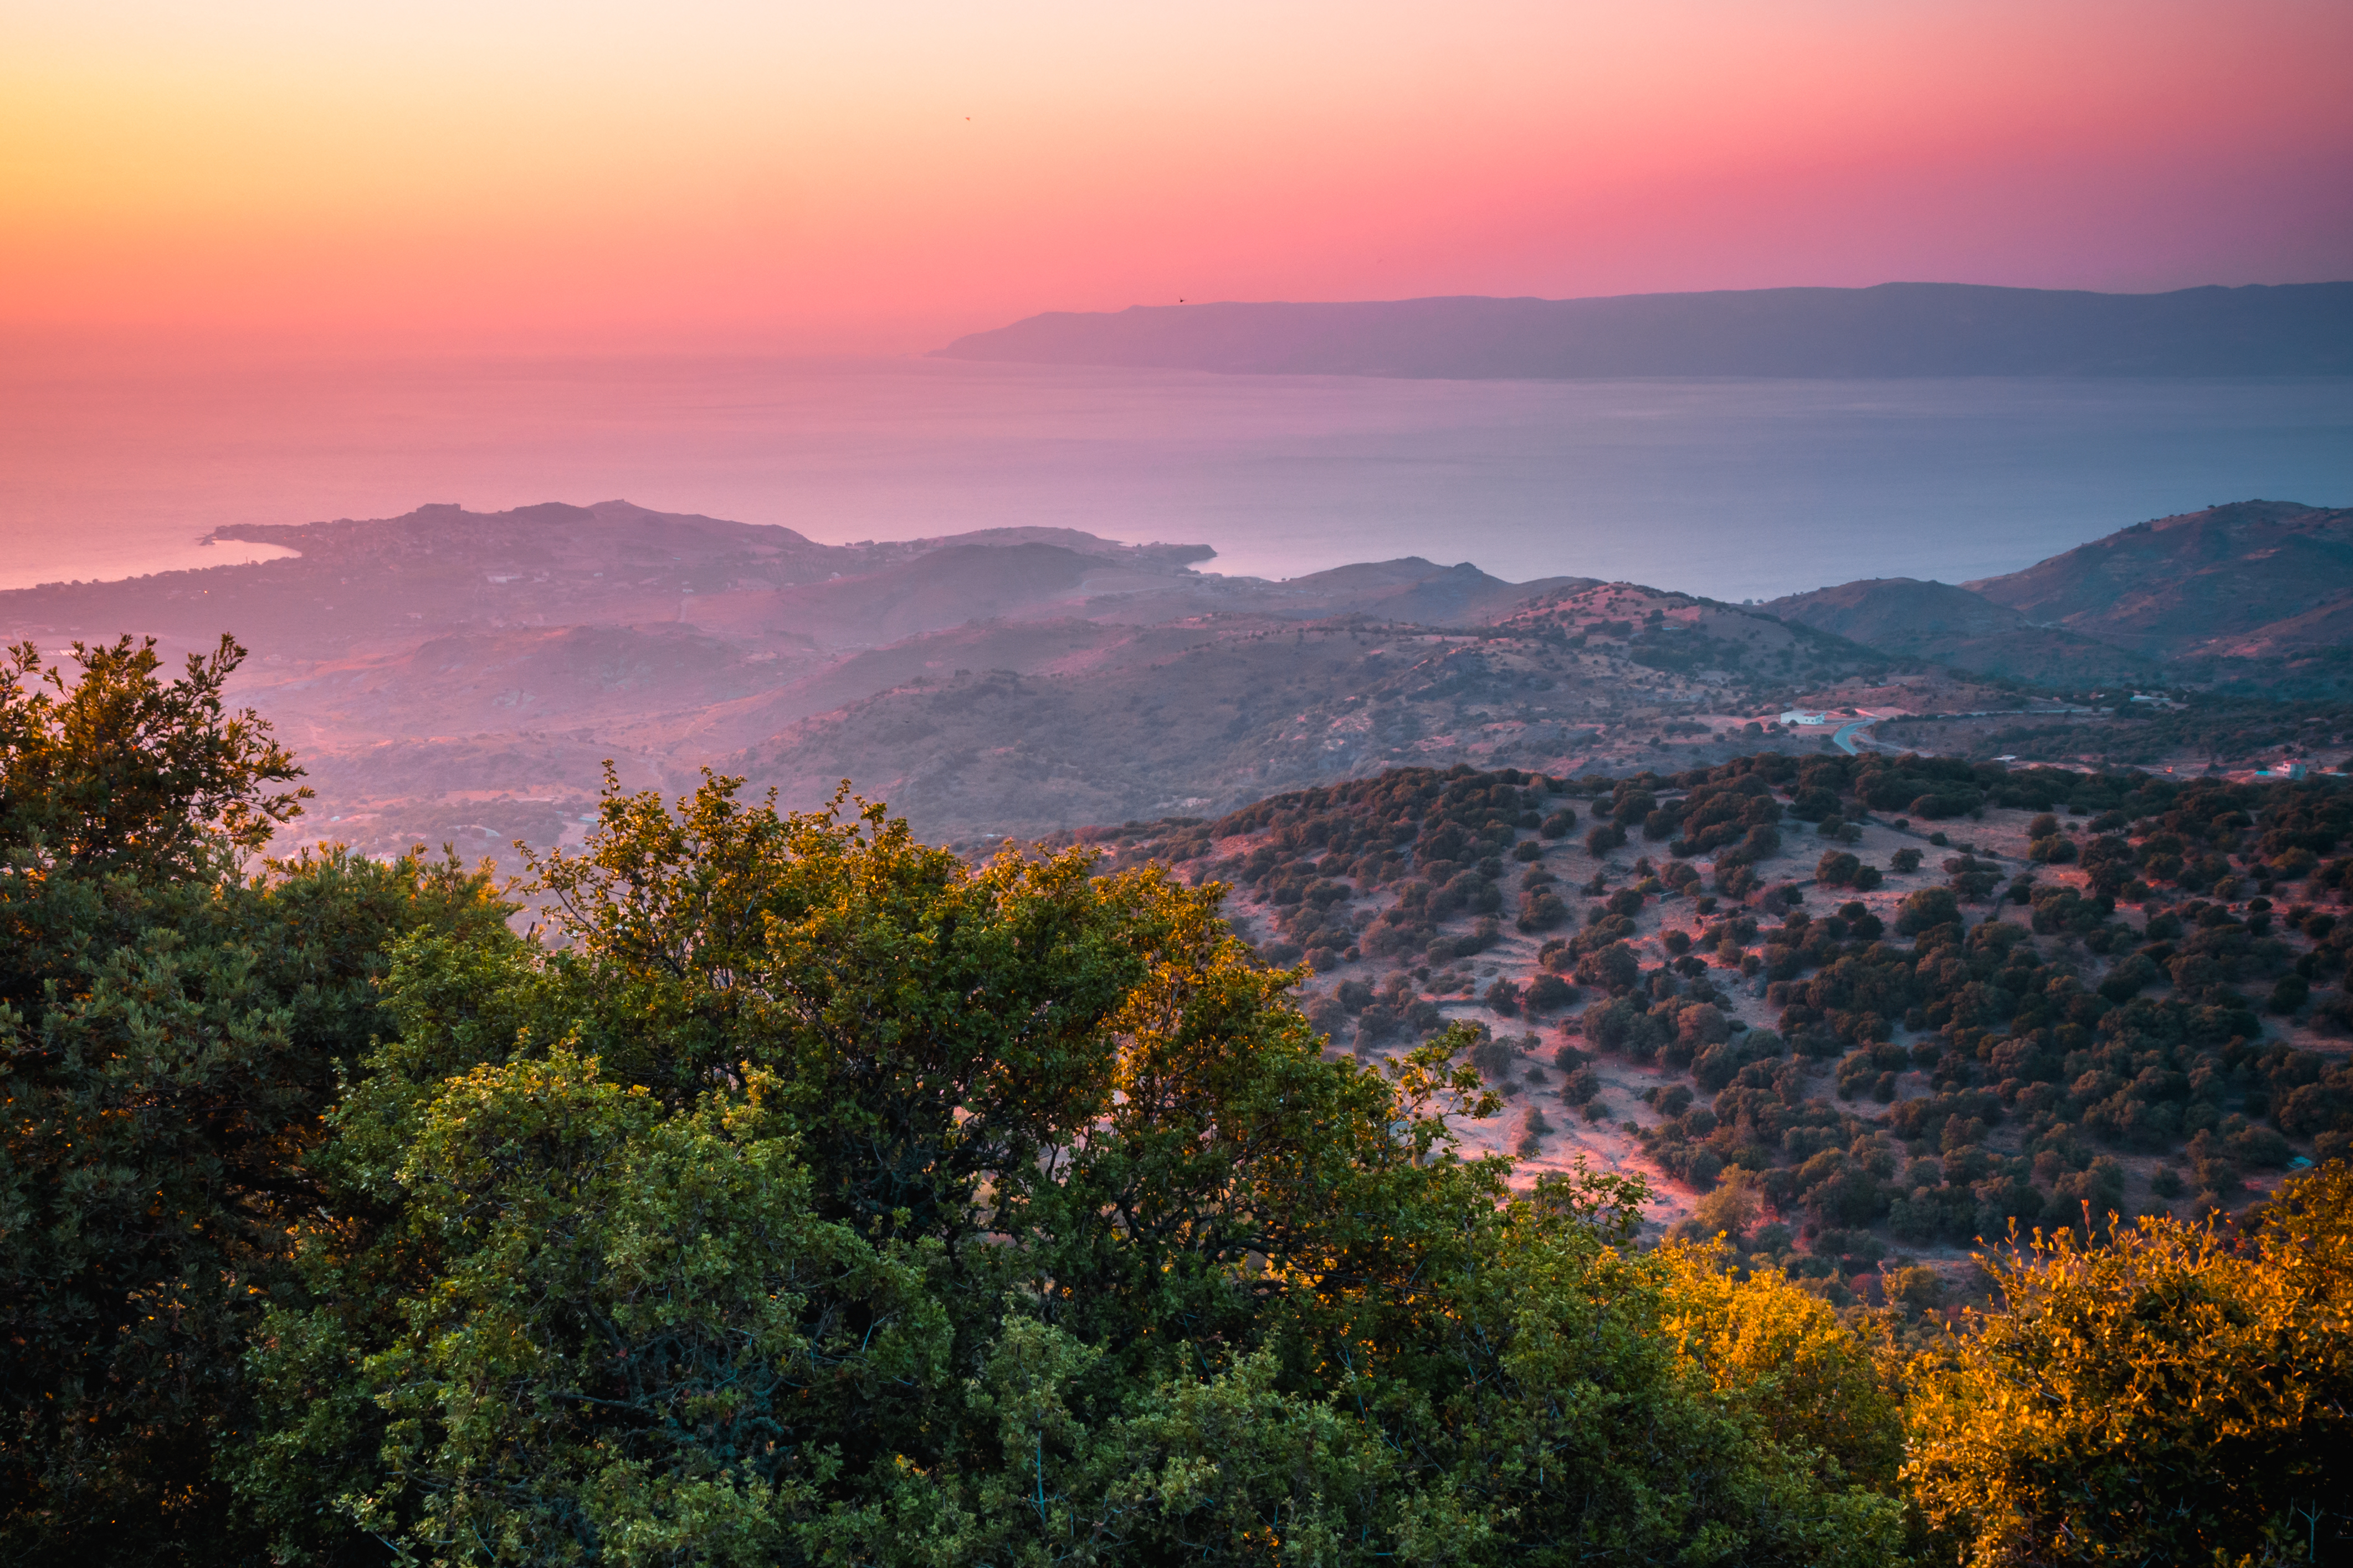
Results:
884 175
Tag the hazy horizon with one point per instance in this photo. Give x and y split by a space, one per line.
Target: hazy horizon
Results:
1735 489
362 204
877 182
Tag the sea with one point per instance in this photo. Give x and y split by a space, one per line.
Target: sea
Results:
116 464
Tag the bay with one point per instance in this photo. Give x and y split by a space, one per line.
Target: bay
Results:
114 463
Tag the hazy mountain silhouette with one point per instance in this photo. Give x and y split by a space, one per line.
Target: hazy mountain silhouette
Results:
1946 625
1892 329
2244 581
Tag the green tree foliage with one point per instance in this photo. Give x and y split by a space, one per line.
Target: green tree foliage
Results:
122 771
827 1199
171 1027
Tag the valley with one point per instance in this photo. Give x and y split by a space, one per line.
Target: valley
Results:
463 678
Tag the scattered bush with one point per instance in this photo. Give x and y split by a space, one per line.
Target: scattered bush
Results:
1548 994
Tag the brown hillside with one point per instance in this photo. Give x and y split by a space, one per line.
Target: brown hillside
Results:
2241 580
1944 624
1205 716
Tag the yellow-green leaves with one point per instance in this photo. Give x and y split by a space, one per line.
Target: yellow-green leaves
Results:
1800 1378
2166 1395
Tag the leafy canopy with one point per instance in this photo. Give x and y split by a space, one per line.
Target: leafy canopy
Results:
170 1031
122 771
2164 1396
826 1198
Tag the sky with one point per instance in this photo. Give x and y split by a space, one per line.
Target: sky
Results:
880 177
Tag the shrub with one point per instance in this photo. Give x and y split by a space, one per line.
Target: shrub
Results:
1926 910
1613 968
1699 1027
1541 909
1732 1207
1533 1132
2288 994
2161 1352
1921 1290
2132 974
1548 994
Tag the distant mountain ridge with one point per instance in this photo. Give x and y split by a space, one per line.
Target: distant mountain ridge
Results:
1891 330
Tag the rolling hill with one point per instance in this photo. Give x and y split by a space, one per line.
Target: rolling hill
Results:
463 676
1946 625
457 676
2254 595
2252 580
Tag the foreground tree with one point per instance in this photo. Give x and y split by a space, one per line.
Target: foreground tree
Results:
170 1026
827 1199
120 770
2170 1396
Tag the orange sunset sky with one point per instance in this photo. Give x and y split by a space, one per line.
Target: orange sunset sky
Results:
884 174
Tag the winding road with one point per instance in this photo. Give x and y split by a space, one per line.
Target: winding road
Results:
1844 737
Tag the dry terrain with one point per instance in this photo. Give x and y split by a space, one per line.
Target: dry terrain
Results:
1250 853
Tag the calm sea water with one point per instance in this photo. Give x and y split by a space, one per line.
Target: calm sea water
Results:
112 465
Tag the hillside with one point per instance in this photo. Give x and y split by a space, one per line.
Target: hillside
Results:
1911 1002
2253 597
1202 717
2249 581
1944 624
1893 329
459 677
462 677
